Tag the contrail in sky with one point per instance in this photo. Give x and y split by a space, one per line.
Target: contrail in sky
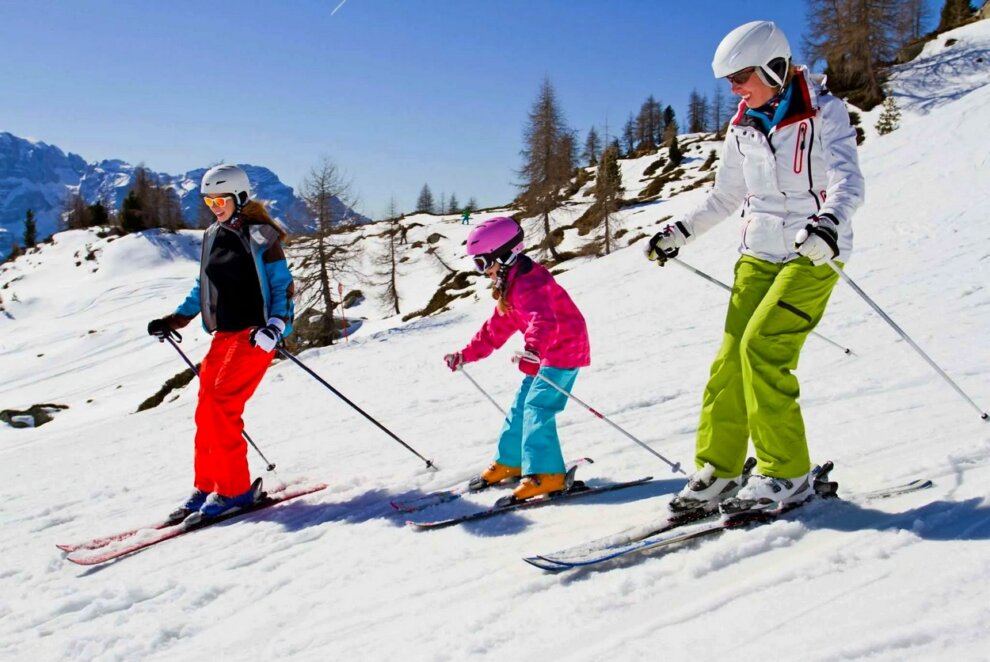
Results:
342 3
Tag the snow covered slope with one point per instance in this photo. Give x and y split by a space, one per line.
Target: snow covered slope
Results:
338 576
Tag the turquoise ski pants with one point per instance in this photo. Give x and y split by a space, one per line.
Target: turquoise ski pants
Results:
752 391
529 435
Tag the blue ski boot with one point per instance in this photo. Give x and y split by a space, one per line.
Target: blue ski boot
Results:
217 504
192 504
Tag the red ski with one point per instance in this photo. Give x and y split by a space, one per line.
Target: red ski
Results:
108 548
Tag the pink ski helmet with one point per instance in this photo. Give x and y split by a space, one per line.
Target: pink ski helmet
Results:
496 240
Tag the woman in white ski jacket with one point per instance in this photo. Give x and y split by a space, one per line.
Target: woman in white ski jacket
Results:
789 161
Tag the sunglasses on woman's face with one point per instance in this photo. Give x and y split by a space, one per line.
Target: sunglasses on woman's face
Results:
741 77
220 202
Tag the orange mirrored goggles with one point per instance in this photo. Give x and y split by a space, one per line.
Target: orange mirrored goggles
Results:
220 202
741 77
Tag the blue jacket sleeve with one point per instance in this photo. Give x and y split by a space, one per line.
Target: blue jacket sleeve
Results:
280 282
191 306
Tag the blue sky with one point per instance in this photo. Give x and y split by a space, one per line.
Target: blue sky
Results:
398 94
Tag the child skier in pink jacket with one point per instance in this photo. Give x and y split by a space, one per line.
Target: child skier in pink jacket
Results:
556 346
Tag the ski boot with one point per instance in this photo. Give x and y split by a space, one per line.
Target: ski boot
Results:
704 492
493 475
536 485
217 504
775 495
192 504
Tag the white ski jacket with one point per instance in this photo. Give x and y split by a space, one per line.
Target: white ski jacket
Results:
805 166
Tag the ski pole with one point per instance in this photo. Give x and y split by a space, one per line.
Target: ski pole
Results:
716 281
271 466
483 391
903 335
675 467
286 354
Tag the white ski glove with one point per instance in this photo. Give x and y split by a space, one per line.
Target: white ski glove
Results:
667 243
266 337
819 240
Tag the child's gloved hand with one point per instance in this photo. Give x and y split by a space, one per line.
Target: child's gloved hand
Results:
454 361
528 361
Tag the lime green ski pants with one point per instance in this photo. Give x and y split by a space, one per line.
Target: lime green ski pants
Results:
752 391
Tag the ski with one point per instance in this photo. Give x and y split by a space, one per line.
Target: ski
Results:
667 521
445 496
140 540
897 490
96 543
670 531
578 489
715 525
681 532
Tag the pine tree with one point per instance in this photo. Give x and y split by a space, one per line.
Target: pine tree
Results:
98 215
424 203
75 215
670 133
472 205
890 116
30 229
608 190
592 147
675 155
131 214
453 206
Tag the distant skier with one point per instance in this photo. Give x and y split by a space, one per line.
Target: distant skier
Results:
244 293
465 216
530 301
790 160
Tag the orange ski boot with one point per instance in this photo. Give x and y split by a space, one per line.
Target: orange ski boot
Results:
493 475
538 485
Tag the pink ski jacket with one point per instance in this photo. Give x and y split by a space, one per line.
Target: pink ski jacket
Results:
544 313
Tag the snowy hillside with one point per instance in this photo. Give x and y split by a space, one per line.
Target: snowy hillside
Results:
337 575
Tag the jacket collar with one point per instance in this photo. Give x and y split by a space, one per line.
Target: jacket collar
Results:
802 102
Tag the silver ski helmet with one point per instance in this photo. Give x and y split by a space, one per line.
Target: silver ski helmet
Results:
498 239
226 180
758 44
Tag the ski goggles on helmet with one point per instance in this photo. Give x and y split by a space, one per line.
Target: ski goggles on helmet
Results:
484 262
219 201
742 76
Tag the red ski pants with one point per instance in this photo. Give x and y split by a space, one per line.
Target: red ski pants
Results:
228 376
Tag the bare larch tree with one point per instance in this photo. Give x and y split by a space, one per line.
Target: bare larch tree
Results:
548 163
326 192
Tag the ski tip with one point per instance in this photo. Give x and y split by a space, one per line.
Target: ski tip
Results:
545 564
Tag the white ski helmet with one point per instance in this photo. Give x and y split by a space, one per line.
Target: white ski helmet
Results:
759 44
226 179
